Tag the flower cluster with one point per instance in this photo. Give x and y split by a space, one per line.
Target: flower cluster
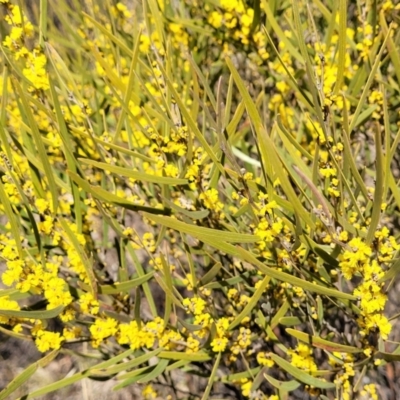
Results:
159 206
359 260
34 62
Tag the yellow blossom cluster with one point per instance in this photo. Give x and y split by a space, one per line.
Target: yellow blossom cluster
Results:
34 61
302 357
358 260
236 20
143 154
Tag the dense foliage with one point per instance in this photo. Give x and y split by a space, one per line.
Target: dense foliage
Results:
203 186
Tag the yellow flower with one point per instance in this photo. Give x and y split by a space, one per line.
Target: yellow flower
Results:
264 359
211 200
301 357
196 305
369 392
149 393
219 344
16 16
246 388
102 329
46 340
89 304
7 304
123 10
193 345
149 242
215 19
222 325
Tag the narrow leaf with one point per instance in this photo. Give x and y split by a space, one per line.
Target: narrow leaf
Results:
322 343
26 374
301 375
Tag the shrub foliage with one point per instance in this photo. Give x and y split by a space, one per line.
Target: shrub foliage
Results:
203 186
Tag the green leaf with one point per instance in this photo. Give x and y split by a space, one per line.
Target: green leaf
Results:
39 145
82 255
212 378
26 374
280 34
326 257
191 214
349 158
290 321
191 23
104 195
171 292
67 140
379 188
342 45
210 275
43 23
288 386
389 357
156 371
15 228
203 233
171 288
301 375
251 304
146 287
77 377
280 314
288 138
393 271
250 373
193 357
109 34
125 286
368 84
292 82
115 81
158 20
113 146
271 162
360 379
309 69
140 176
204 82
225 283
116 368
16 335
42 314
284 277
129 87
191 123
61 68
391 46
322 343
